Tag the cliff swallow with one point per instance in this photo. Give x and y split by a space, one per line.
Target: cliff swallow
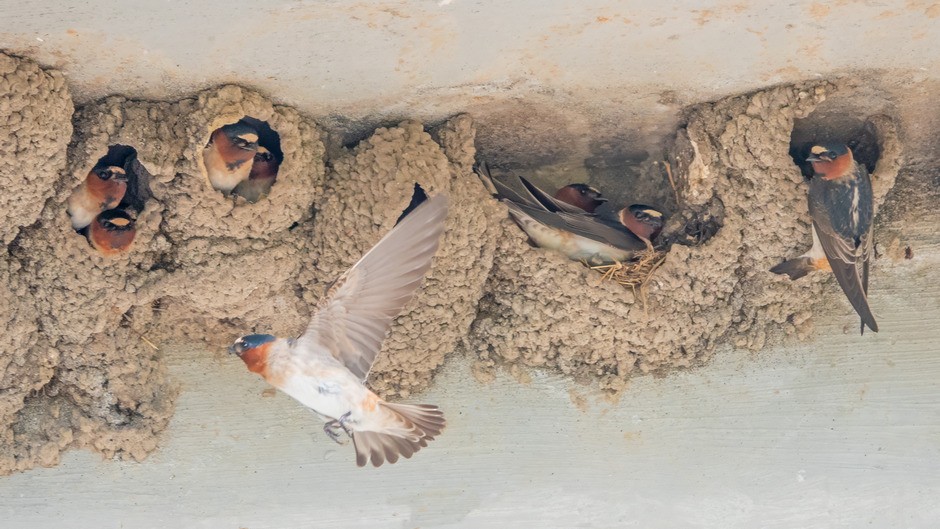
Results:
572 198
646 222
112 232
842 208
575 232
228 155
103 189
260 179
326 367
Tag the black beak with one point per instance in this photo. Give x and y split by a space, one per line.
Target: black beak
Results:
813 158
600 199
232 350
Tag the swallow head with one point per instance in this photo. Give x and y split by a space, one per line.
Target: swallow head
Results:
582 196
827 152
242 136
116 220
646 222
830 160
112 232
263 155
250 342
111 172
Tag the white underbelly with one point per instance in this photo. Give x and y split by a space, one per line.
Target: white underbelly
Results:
224 180
330 400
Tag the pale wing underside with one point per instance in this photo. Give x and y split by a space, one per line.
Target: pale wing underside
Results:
355 314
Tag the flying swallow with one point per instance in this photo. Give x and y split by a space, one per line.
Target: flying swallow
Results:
842 208
103 189
582 236
228 155
112 232
260 179
326 367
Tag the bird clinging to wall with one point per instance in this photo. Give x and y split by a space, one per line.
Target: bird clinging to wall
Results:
841 205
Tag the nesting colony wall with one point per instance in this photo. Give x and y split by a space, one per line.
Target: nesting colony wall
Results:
80 364
742 210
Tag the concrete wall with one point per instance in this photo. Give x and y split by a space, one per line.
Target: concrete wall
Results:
840 432
830 434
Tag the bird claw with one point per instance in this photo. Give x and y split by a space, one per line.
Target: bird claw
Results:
332 429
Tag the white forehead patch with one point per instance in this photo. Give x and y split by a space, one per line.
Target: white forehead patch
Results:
818 149
652 213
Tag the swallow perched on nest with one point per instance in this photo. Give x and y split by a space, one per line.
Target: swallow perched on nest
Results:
326 367
842 208
229 154
554 223
103 189
112 232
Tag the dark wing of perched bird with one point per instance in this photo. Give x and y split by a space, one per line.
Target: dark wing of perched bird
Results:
842 218
533 198
584 225
499 189
356 312
547 201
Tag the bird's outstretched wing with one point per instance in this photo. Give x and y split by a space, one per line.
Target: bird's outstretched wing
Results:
356 312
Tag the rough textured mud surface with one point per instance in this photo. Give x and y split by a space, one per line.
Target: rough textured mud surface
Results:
35 117
734 175
80 364
366 192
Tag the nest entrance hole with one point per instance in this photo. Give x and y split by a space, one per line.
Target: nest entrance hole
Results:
252 180
834 126
112 213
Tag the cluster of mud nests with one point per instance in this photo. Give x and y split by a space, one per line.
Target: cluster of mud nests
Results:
79 361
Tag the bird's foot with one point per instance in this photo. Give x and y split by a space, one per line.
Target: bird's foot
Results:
333 428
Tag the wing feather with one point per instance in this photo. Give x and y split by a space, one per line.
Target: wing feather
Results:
356 312
549 202
844 263
588 226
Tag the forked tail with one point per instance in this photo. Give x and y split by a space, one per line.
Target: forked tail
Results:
410 428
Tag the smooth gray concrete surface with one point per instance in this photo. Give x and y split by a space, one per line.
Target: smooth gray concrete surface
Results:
843 432
430 58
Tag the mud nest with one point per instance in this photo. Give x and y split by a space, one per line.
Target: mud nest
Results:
79 365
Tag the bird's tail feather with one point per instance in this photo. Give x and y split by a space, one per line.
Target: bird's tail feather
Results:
800 266
413 425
